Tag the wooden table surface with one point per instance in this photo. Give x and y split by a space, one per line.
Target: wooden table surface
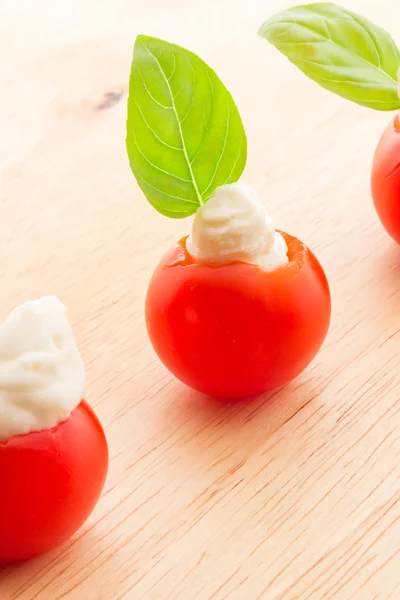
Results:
295 495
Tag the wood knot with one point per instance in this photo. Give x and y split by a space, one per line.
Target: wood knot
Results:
109 99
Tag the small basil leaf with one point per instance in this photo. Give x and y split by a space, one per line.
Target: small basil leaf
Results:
340 50
184 132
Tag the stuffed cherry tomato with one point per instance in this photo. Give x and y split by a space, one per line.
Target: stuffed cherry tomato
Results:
237 309
53 451
365 70
385 179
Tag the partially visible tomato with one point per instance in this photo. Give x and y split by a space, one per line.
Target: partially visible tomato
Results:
385 179
236 331
50 482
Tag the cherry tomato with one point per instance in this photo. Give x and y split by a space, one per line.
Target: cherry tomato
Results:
50 482
236 331
385 180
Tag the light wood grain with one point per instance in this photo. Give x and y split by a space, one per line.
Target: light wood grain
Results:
292 496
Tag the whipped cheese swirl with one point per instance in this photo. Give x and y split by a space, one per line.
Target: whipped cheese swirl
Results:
233 225
42 377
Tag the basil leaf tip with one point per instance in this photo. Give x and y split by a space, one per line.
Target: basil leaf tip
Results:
340 50
184 134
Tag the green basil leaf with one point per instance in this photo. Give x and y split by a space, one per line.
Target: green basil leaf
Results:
184 133
340 50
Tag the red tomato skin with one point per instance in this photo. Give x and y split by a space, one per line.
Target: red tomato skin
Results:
50 482
235 331
385 180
